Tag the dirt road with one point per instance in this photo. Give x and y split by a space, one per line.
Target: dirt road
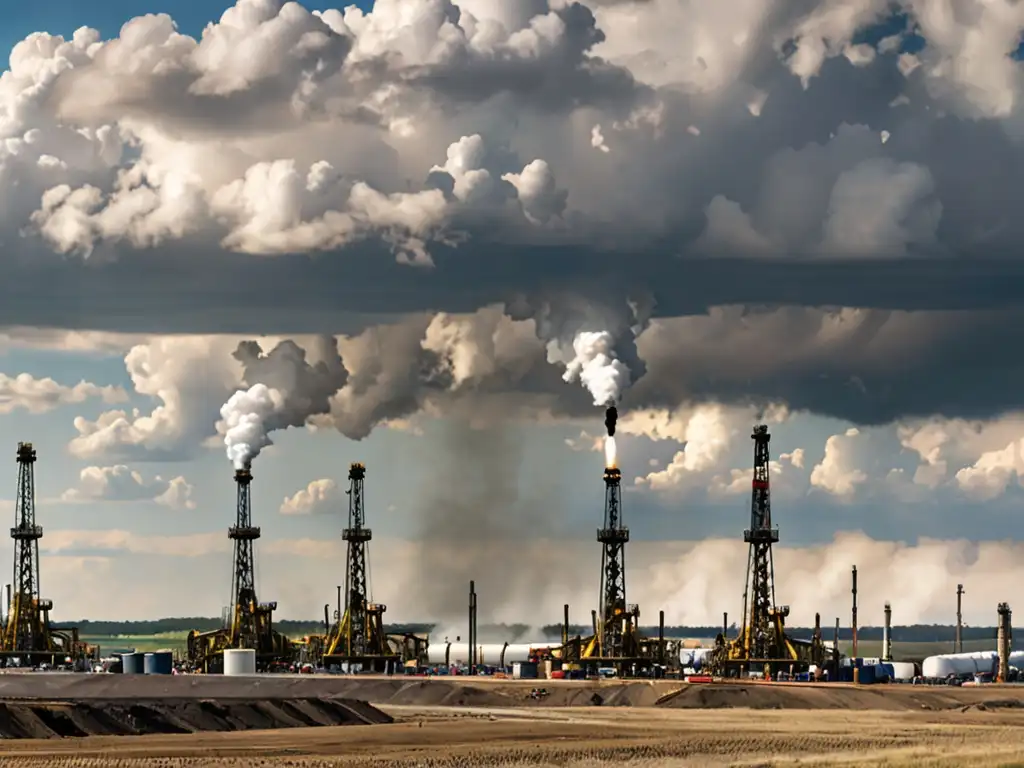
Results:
446 737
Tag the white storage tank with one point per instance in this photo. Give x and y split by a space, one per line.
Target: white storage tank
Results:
946 664
488 654
239 661
902 670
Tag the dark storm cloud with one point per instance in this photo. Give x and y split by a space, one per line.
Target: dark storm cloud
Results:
217 292
940 300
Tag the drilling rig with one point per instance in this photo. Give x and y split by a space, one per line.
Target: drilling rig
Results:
763 645
357 636
616 642
27 632
249 623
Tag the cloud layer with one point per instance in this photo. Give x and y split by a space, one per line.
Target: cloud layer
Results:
456 207
564 161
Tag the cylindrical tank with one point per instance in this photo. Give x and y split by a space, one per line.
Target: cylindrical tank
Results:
947 664
239 661
902 670
133 663
488 654
158 663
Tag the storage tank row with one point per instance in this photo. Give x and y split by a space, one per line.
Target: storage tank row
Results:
156 663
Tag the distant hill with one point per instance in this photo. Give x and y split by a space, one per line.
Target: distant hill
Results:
917 633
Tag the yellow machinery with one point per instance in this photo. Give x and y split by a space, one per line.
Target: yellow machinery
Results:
762 646
250 623
27 634
616 641
640 653
357 635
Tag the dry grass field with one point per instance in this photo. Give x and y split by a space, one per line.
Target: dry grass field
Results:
463 737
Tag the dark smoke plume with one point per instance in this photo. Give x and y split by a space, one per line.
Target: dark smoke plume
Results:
476 506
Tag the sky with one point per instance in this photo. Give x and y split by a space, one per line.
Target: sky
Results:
438 236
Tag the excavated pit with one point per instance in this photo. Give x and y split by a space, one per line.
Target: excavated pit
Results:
38 719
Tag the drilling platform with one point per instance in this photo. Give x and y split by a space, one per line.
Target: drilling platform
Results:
616 641
249 622
357 636
27 632
763 645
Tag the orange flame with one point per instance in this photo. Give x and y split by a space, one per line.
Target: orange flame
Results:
611 457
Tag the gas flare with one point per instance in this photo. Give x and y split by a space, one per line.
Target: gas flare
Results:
611 457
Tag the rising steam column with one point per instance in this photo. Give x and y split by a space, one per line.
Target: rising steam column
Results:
27 629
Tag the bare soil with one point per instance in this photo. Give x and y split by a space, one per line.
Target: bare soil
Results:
120 717
443 737
451 723
484 692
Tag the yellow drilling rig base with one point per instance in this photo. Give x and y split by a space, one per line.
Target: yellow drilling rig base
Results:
733 658
641 654
339 644
205 651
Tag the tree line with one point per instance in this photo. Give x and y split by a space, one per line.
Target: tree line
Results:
916 633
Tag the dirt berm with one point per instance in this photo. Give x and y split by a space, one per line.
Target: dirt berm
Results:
876 697
484 692
48 720
420 691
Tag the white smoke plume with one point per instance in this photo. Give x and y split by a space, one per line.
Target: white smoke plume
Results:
246 415
595 365
285 390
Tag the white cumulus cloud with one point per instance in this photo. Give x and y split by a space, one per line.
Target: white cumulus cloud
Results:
320 496
120 483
